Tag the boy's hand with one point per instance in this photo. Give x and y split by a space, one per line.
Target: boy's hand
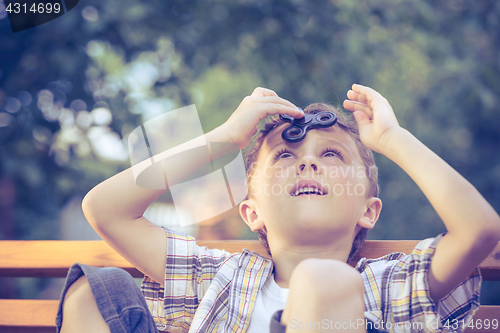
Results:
242 124
473 226
374 115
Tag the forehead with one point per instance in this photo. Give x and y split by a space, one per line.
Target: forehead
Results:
333 134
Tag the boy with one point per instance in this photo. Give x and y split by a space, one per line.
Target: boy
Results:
310 225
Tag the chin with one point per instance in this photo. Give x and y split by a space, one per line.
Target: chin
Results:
313 224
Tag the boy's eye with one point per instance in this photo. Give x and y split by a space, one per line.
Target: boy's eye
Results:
329 152
282 153
334 153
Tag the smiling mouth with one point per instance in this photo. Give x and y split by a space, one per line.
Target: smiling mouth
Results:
308 192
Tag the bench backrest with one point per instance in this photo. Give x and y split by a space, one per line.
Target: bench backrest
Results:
54 258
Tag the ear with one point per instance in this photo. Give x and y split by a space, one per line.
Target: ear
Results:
248 212
371 213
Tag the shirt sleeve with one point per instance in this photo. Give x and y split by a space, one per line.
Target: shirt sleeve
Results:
189 272
409 300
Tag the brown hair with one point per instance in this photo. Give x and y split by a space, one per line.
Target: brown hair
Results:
345 123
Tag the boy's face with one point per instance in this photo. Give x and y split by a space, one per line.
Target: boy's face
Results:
327 158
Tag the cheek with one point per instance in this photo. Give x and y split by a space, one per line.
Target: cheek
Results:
275 182
336 168
277 174
269 184
285 162
340 173
347 180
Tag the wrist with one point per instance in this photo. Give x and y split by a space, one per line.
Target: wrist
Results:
219 143
218 134
398 139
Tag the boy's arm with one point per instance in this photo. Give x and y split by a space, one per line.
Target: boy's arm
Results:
473 225
115 207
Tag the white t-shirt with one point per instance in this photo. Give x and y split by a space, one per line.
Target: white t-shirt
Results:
270 299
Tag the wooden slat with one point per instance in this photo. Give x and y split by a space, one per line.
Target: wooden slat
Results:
28 315
39 316
53 258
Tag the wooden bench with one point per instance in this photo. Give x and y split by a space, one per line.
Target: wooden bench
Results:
53 259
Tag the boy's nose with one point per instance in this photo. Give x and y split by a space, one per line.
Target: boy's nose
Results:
313 166
307 162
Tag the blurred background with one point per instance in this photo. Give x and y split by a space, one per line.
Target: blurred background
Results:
71 91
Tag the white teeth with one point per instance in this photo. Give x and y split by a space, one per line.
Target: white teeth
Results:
309 190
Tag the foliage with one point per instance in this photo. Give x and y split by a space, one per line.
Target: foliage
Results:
435 61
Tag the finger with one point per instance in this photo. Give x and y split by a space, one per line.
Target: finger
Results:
348 105
268 109
357 106
263 92
370 94
255 130
376 101
274 100
353 96
361 118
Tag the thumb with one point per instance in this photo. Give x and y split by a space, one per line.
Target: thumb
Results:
361 118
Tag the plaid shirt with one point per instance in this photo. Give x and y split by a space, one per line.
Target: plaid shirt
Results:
209 290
